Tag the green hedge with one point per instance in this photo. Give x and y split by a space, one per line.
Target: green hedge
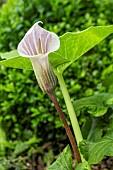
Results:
25 109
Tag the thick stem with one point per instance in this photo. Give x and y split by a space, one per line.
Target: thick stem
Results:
66 126
72 115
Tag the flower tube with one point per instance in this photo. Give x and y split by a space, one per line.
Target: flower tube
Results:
36 45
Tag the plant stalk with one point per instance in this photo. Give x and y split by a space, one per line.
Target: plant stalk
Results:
66 126
72 115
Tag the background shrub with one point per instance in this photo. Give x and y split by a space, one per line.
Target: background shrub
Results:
27 112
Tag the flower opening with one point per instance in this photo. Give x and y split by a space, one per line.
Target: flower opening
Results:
36 45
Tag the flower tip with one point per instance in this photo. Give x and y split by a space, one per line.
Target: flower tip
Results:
32 28
39 22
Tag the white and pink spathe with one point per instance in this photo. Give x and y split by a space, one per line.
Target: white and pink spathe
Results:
36 45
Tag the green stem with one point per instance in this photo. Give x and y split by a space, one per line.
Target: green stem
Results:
72 115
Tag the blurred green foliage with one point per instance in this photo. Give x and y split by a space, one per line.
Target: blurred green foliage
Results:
26 111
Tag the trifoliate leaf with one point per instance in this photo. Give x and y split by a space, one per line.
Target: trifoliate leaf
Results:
97 105
94 152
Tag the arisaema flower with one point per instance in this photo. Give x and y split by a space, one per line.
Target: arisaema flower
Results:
36 45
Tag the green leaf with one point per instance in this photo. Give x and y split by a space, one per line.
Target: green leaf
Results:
96 105
97 128
20 147
2 140
100 125
74 45
1 167
81 166
94 152
9 55
86 127
64 161
12 59
108 83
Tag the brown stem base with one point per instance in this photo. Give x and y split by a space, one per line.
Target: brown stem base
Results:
66 126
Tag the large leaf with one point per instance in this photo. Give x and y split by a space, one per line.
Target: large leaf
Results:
96 105
64 161
12 59
9 55
73 45
94 152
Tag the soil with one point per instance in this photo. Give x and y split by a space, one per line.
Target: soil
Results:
105 164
